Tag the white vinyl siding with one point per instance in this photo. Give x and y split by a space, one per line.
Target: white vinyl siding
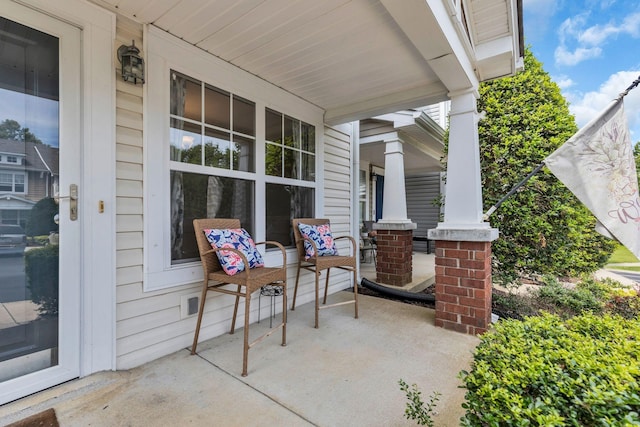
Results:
150 323
422 190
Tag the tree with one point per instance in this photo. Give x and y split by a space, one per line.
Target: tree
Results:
10 129
544 229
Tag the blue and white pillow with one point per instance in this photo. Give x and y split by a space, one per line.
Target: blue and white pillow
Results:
237 238
321 236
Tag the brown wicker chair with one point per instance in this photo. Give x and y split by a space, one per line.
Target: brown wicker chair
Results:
317 264
250 279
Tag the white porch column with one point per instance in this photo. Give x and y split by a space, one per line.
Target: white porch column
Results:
463 240
394 229
394 206
463 200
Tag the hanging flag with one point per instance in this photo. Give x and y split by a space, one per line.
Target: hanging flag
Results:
598 166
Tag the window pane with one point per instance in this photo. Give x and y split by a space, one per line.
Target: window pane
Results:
19 181
273 126
6 182
217 151
291 163
291 132
308 167
308 137
185 142
203 196
273 159
244 116
285 202
217 107
185 97
243 158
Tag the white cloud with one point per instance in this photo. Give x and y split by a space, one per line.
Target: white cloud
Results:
566 57
564 82
586 106
586 42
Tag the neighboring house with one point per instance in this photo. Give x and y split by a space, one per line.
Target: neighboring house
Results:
248 109
28 173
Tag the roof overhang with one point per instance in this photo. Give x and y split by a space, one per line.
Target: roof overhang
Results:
352 58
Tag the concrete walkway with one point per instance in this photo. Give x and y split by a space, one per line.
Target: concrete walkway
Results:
343 374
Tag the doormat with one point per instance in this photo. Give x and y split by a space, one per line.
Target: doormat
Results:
43 419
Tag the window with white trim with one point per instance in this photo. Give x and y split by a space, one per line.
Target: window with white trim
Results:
205 156
215 129
12 182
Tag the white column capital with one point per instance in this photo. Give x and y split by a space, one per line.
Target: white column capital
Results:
394 146
394 205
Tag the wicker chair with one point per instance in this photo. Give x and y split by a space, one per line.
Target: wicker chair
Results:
249 279
317 264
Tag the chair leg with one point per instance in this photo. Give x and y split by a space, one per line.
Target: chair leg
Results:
203 297
326 286
284 314
295 289
235 312
355 290
317 272
245 354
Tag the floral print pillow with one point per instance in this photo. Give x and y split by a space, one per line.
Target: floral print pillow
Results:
321 236
237 238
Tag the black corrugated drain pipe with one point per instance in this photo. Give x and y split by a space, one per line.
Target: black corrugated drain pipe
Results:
398 293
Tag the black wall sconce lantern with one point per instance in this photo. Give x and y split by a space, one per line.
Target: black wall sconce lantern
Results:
132 63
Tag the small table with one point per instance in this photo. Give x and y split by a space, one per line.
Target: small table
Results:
271 291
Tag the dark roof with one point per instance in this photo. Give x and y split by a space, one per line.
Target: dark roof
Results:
33 161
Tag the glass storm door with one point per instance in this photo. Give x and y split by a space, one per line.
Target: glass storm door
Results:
39 232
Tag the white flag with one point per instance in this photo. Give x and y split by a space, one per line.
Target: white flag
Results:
597 165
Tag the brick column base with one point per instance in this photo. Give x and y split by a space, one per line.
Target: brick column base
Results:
394 256
463 286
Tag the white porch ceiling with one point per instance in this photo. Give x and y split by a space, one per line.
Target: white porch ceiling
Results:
352 58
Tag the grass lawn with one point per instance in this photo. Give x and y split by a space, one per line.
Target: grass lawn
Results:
622 254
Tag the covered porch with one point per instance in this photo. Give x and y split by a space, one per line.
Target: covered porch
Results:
345 373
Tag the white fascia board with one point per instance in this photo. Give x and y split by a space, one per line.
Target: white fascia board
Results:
380 137
497 47
429 26
410 98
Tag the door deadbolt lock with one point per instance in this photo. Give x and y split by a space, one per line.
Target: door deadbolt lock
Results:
73 201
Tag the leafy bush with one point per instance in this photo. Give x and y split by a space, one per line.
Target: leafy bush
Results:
545 371
588 295
416 409
41 218
41 268
543 227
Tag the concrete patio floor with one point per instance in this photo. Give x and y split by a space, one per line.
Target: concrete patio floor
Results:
343 374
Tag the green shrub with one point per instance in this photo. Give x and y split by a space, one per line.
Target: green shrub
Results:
417 409
41 268
41 218
544 371
585 296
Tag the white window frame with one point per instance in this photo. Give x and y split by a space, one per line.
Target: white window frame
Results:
13 182
164 53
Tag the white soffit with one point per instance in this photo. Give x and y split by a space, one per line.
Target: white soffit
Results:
352 58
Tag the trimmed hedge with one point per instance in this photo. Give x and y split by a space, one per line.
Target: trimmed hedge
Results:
545 371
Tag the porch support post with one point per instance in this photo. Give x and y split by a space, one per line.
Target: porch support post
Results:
394 230
463 240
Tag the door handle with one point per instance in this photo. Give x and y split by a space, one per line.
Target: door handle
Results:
73 201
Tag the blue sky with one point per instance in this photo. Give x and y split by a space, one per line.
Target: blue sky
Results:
591 49
40 115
